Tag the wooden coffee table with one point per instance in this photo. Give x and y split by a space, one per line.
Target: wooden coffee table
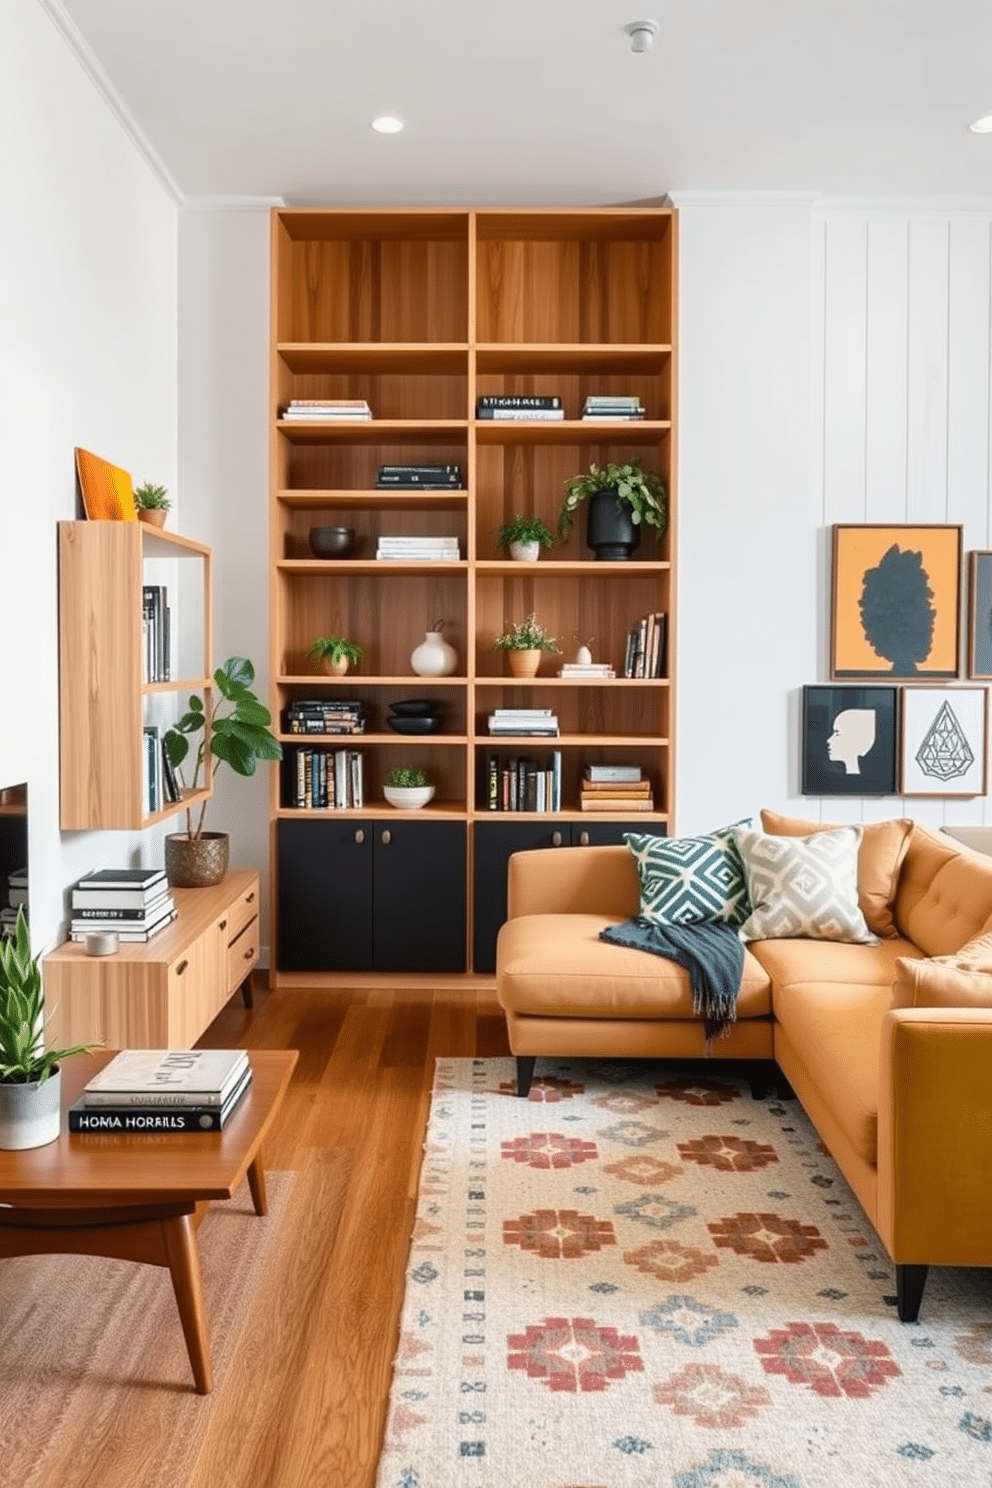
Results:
138 1197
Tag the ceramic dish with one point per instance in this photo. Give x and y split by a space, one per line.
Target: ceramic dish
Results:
414 708
414 725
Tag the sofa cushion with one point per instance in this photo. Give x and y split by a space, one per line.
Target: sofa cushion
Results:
880 856
939 983
557 965
803 886
788 961
690 880
944 896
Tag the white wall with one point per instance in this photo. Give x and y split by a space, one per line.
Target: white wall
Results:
87 357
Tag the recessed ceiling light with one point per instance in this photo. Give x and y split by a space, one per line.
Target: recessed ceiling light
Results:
982 125
387 124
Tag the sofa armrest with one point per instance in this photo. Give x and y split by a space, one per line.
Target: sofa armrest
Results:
573 880
935 1136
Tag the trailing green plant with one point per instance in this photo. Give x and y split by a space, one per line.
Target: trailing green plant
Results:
23 1056
334 649
407 777
641 491
527 635
239 735
524 530
148 497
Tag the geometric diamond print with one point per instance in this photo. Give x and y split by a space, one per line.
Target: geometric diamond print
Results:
690 880
805 887
945 752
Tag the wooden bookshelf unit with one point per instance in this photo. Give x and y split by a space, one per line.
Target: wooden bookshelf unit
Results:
420 312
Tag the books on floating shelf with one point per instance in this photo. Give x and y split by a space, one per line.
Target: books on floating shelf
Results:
535 721
606 408
326 410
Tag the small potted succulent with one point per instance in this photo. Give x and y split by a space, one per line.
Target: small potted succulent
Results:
151 503
30 1080
334 654
408 787
525 537
622 499
524 644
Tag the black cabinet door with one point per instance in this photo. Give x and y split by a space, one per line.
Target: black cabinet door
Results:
418 895
494 842
325 896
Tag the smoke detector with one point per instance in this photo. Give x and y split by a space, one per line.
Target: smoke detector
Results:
642 34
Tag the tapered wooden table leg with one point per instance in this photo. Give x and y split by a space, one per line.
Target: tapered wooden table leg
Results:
179 1240
256 1186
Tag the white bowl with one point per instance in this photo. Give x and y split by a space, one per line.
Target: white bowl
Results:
408 797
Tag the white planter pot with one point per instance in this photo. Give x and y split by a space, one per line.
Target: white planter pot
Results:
408 797
30 1115
434 657
525 552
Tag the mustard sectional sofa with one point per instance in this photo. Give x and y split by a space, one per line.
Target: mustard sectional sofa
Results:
888 1045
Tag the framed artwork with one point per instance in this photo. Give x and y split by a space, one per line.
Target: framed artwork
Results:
849 741
107 491
895 602
944 733
980 616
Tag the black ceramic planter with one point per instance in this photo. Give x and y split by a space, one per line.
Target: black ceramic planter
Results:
610 532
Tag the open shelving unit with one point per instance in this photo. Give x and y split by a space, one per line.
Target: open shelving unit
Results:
420 312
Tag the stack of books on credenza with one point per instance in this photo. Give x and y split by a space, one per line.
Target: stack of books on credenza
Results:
163 1090
133 902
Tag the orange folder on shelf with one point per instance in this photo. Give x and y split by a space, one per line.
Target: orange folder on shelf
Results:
107 491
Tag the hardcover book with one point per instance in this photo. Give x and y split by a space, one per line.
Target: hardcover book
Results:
168 1076
137 1116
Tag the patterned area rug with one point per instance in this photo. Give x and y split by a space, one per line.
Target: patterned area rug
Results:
639 1277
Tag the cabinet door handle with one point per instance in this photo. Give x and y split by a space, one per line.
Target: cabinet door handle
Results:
359 836
249 953
222 925
387 837
181 967
583 839
556 839
250 897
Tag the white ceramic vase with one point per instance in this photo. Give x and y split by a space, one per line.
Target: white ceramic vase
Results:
30 1115
434 657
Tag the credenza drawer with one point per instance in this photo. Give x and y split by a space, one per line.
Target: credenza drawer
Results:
242 955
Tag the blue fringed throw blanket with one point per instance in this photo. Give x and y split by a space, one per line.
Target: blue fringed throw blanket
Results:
713 955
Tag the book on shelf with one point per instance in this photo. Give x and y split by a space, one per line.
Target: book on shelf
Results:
126 934
645 652
617 773
134 914
413 483
315 409
523 783
135 880
157 1118
421 468
156 619
605 408
328 779
195 1076
521 415
616 787
610 803
319 717
583 669
517 400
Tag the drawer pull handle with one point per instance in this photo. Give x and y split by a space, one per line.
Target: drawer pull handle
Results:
359 836
387 837
181 967
222 925
249 953
556 839
583 839
250 897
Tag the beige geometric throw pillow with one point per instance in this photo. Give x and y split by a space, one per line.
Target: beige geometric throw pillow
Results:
803 886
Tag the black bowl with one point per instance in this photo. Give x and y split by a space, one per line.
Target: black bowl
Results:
429 725
414 708
331 542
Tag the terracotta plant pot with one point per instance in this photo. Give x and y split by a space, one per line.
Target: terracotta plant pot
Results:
196 864
524 663
154 515
334 668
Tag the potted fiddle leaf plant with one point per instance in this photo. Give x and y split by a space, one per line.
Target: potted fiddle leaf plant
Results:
151 503
237 726
524 644
622 499
334 654
30 1077
525 537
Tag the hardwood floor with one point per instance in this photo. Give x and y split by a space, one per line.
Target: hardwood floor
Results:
305 1397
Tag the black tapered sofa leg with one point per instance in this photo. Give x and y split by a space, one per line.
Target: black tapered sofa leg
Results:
910 1281
525 1072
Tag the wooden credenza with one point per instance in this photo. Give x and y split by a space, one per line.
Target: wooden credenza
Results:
163 994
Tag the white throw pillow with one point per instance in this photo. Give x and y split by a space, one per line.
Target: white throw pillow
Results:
804 887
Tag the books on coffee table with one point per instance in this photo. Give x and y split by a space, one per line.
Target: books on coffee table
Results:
169 1117
163 1090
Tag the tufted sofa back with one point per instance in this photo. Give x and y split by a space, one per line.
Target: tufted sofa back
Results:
944 894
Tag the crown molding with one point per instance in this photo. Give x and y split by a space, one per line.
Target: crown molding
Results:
88 61
232 203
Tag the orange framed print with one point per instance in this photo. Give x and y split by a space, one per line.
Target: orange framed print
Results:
895 601
107 491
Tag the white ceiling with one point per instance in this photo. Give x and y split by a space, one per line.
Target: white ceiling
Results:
542 101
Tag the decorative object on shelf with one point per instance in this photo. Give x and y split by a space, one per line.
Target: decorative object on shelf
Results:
849 741
415 716
944 730
334 654
980 626
895 601
408 788
434 657
622 499
151 503
239 737
524 644
106 489
331 542
30 1081
525 537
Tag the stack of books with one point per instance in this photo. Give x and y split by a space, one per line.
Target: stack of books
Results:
606 409
17 898
646 647
324 716
523 784
163 1090
615 788
516 406
536 721
586 669
419 478
134 902
326 410
418 549
328 780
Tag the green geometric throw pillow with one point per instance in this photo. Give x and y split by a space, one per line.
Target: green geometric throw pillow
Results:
804 887
691 880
